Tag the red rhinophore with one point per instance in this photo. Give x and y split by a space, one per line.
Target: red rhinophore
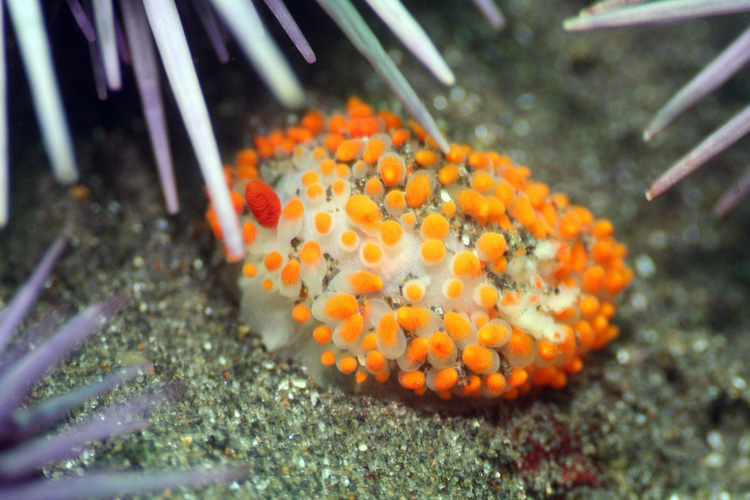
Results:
263 203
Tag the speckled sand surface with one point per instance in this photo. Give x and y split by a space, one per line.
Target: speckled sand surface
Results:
663 412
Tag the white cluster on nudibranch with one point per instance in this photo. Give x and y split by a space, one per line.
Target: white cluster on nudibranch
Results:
455 272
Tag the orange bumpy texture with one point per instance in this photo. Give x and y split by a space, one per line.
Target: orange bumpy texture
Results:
456 273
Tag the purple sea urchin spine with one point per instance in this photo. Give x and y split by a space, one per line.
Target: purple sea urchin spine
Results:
24 448
107 37
12 316
19 378
621 13
147 77
107 484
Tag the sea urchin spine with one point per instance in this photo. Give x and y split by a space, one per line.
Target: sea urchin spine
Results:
24 448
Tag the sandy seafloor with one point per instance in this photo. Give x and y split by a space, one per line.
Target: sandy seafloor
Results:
661 413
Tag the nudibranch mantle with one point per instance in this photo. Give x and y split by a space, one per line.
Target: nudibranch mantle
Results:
454 273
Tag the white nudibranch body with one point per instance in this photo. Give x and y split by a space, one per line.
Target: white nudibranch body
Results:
455 273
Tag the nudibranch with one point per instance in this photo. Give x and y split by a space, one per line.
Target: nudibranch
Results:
455 272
